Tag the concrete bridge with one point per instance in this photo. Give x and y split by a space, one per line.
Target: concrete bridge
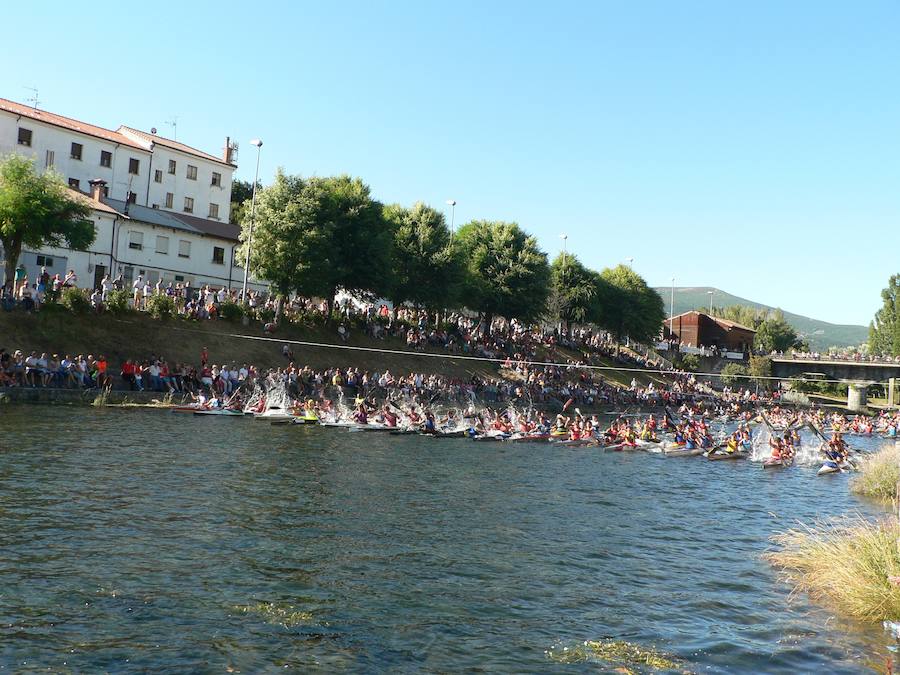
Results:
828 369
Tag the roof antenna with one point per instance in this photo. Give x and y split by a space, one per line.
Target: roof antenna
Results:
34 97
174 124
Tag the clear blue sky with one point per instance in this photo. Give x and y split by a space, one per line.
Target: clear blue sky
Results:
750 146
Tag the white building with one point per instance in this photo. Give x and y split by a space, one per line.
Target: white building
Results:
160 207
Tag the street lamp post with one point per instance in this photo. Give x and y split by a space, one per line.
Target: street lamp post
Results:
672 308
710 294
629 261
258 144
452 204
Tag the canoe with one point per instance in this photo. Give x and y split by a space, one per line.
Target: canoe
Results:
226 413
773 463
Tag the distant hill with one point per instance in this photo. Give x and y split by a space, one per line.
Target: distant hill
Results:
819 334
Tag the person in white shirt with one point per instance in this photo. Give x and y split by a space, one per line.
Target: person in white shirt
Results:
148 291
137 287
105 286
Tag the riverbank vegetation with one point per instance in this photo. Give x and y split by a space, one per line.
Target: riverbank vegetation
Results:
319 236
848 563
879 474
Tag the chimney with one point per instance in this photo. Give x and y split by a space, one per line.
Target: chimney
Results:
227 154
98 187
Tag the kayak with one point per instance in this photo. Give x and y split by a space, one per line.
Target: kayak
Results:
829 467
682 451
578 443
227 413
715 456
772 463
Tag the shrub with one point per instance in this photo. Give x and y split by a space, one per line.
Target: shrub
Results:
731 374
75 300
231 311
879 474
160 306
117 301
690 362
849 563
265 315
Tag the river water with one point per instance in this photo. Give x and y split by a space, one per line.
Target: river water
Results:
141 540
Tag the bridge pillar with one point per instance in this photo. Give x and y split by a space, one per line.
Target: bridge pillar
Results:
892 385
856 397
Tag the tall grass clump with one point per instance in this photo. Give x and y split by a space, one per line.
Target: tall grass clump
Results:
849 563
879 474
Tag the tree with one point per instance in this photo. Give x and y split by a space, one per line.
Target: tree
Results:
760 369
241 194
776 335
751 317
884 331
732 374
573 291
37 210
425 269
319 235
632 309
506 274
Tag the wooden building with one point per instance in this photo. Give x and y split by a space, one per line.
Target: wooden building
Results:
702 330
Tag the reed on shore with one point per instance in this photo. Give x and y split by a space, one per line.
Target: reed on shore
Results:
879 474
849 563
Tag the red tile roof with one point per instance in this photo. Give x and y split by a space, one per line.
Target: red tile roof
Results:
174 145
67 123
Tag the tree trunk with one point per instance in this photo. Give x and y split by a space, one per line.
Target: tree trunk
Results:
279 308
330 307
488 320
12 250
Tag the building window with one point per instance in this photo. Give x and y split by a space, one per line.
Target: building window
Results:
170 199
45 261
134 166
157 176
105 158
184 249
188 204
179 277
25 137
75 183
172 166
49 159
135 240
214 211
105 190
76 151
217 179
218 255
192 172
162 244
132 197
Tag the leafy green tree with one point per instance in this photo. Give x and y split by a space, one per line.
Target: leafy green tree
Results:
732 373
37 210
573 291
506 273
884 331
316 236
751 317
241 194
760 369
632 309
776 334
425 268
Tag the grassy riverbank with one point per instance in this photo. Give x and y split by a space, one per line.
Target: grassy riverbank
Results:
849 564
136 335
878 475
